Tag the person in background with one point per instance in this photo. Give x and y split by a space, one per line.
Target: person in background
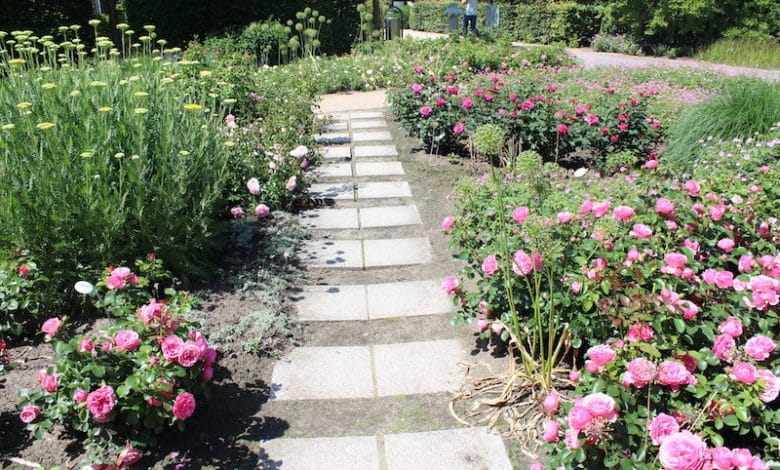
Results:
491 15
470 17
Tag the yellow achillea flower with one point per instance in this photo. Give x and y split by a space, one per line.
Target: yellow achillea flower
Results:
17 61
8 127
44 125
140 94
24 105
98 84
75 93
48 86
86 154
140 110
104 109
193 107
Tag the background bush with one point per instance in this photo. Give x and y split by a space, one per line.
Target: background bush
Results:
547 22
43 16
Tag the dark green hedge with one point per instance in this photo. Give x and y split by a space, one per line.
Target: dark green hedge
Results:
178 21
429 16
43 16
546 23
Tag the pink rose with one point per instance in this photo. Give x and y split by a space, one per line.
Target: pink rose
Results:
237 213
600 209
50 327
128 456
520 214
579 418
639 372
426 111
101 402
592 119
482 323
724 279
458 129
127 340
467 103
450 285
183 406
86 345
716 212
189 355
292 183
745 263
586 207
623 213
563 129
446 224
641 231
744 372
726 244
523 265
721 458
662 426
674 374
208 373
551 402
675 260
262 211
29 414
171 347
601 405
80 396
692 187
771 384
48 382
601 355
732 327
253 185
490 265
723 347
682 451
417 88
759 347
574 376
299 151
564 217
741 457
664 206
550 431
572 439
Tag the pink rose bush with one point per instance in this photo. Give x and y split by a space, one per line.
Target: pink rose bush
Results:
136 377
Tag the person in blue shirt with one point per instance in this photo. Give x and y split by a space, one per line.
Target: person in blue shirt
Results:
470 17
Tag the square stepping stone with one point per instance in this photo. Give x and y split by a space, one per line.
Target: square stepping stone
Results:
334 170
320 453
323 373
421 367
379 169
404 299
332 139
383 190
389 216
336 153
325 219
375 136
332 253
335 126
368 151
451 449
334 116
336 191
368 125
367 115
331 303
397 252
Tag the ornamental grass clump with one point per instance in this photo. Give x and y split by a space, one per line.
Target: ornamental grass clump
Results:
104 154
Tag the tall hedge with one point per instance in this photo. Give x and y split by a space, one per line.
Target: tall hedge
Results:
178 21
428 15
43 16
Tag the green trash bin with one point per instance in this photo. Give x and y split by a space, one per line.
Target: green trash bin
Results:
394 23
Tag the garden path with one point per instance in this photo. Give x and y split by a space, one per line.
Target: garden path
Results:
374 395
591 59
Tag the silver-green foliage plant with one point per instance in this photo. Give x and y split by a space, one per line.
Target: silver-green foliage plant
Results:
103 156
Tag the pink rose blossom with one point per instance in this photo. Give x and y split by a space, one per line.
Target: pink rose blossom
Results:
253 185
29 414
458 129
682 451
467 103
183 406
741 458
745 263
80 396
417 88
523 264
127 340
661 427
664 206
674 374
586 207
721 458
732 326
128 456
574 376
675 260
86 345
716 212
601 355
262 211
520 213
550 431
623 213
446 224
101 402
490 265
770 384
48 382
601 405
744 372
579 418
50 327
237 213
641 231
450 285
426 111
649 164
482 323
692 187
639 372
726 244
572 439
592 119
171 347
600 209
292 183
189 355
551 402
299 151
724 347
564 217
563 129
759 347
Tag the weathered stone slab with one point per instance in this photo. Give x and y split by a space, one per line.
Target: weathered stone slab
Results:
379 169
451 449
421 367
336 153
389 216
383 190
331 303
369 151
334 170
375 136
320 453
336 191
332 254
404 299
377 124
329 219
397 252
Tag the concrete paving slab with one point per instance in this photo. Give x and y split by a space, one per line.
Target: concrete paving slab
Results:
383 190
397 252
323 373
334 116
376 136
320 453
378 124
420 367
335 126
367 115
368 151
379 169
332 253
336 191
328 219
332 139
402 299
452 449
336 153
332 303
334 170
389 216
352 101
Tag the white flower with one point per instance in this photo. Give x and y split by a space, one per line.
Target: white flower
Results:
84 287
580 172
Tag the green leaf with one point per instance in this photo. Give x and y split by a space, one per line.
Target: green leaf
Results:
648 348
122 391
133 418
679 325
731 421
742 414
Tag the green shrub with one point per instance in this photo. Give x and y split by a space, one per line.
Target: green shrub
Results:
547 23
19 303
615 43
744 107
266 40
428 15
43 16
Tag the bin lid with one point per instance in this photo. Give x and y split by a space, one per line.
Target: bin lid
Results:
453 10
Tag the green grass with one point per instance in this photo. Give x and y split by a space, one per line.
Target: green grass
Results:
743 52
744 107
